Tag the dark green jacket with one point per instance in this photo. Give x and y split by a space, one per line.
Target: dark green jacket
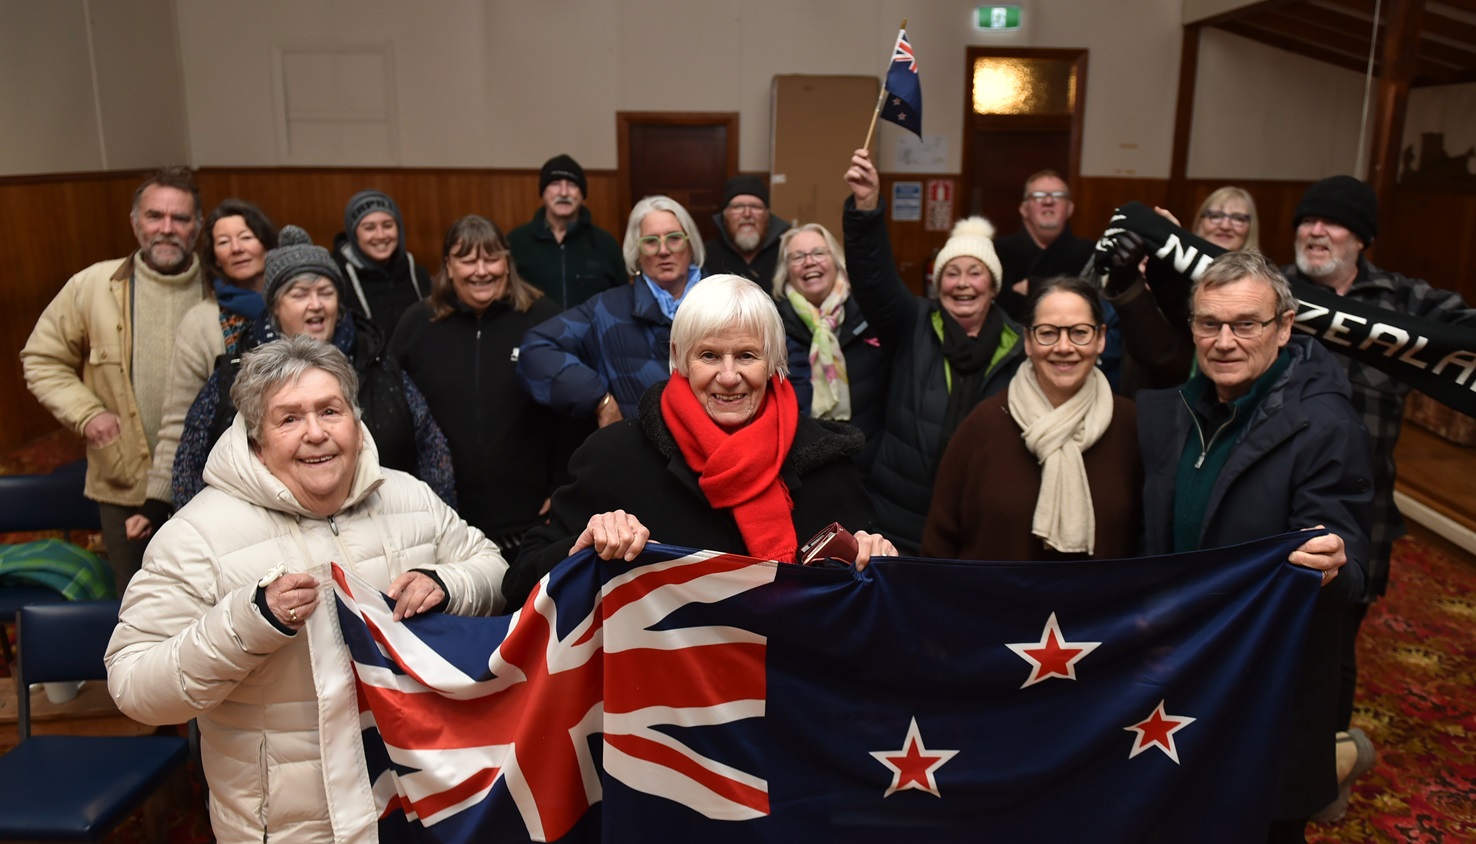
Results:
589 261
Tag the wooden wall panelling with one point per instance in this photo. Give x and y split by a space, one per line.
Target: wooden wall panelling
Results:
430 199
1429 236
54 227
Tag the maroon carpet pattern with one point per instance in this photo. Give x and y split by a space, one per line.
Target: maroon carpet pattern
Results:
1417 693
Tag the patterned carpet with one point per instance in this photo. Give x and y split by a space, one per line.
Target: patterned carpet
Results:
1417 693
1417 701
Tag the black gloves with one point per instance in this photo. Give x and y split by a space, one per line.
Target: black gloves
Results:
1123 259
157 512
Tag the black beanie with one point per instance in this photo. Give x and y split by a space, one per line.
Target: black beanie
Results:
562 167
746 185
1344 200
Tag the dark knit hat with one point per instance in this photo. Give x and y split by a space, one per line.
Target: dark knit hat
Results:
366 202
296 255
1344 200
562 167
746 185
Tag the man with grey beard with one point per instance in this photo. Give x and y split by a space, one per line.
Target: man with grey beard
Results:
748 235
1336 220
98 356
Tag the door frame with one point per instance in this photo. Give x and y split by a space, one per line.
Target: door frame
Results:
1023 122
624 120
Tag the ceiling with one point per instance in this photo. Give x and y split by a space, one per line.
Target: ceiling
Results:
1337 32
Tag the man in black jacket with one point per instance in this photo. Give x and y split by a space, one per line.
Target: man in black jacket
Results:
1044 246
560 251
748 234
1262 440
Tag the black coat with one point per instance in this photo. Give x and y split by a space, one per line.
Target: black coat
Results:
509 451
381 292
911 444
867 364
635 465
723 256
1304 459
1020 258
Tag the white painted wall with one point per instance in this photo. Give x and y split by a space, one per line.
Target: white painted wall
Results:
507 83
60 116
1263 113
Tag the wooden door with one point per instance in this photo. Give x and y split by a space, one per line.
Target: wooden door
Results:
684 155
1022 113
1003 159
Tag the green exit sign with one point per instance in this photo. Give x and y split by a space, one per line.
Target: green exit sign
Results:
997 18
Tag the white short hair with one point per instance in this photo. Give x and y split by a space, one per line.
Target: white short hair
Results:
633 231
719 303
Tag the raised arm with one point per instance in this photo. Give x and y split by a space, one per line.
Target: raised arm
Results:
884 299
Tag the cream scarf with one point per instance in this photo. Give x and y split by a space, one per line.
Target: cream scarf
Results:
1057 436
828 376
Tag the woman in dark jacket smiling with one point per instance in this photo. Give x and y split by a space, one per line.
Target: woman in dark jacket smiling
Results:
460 346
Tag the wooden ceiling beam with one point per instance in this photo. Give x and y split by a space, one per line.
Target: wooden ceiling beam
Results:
1399 65
1301 48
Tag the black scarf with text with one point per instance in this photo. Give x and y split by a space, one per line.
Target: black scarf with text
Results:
1433 357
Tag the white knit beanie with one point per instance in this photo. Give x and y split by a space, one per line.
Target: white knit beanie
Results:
970 237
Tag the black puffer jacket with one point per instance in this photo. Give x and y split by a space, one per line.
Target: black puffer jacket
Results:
917 394
723 256
867 365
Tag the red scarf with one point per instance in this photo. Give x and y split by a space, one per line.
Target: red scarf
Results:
740 470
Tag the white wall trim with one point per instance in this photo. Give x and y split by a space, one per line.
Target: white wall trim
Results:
1436 522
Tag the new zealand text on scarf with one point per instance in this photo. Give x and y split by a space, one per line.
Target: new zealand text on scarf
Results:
1435 358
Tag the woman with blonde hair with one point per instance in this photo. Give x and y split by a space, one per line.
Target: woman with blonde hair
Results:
848 365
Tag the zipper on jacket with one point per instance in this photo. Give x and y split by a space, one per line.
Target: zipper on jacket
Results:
332 525
564 274
1198 429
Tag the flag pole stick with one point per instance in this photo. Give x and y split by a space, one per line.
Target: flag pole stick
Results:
882 97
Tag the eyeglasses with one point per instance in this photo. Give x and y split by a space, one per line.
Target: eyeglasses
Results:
1079 335
1245 329
799 258
675 242
1043 195
750 207
1240 221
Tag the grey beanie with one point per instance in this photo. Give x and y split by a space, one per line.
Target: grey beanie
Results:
366 202
296 255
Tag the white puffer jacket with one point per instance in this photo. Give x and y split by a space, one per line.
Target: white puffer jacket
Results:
278 717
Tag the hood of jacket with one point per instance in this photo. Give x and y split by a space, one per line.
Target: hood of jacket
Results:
234 469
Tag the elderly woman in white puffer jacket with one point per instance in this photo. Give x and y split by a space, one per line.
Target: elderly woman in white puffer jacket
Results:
227 624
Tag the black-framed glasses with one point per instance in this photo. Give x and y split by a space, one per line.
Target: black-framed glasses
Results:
1245 329
675 242
799 258
1237 219
1043 195
1079 335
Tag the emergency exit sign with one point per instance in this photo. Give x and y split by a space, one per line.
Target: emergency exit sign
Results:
997 18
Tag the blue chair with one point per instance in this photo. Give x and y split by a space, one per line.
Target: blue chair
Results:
40 502
74 788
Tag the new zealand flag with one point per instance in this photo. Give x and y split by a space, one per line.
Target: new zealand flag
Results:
697 696
903 104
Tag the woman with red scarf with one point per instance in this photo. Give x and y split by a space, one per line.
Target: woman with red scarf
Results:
719 457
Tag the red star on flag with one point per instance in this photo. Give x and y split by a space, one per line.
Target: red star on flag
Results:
1157 730
914 765
1052 656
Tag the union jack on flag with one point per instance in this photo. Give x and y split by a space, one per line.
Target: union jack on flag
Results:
903 104
699 696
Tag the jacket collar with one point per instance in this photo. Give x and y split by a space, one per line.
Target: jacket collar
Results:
541 228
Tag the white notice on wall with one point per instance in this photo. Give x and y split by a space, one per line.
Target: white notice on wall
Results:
906 202
912 154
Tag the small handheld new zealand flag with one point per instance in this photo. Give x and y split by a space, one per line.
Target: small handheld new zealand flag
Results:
903 104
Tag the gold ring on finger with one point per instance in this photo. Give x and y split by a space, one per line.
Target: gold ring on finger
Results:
292 613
